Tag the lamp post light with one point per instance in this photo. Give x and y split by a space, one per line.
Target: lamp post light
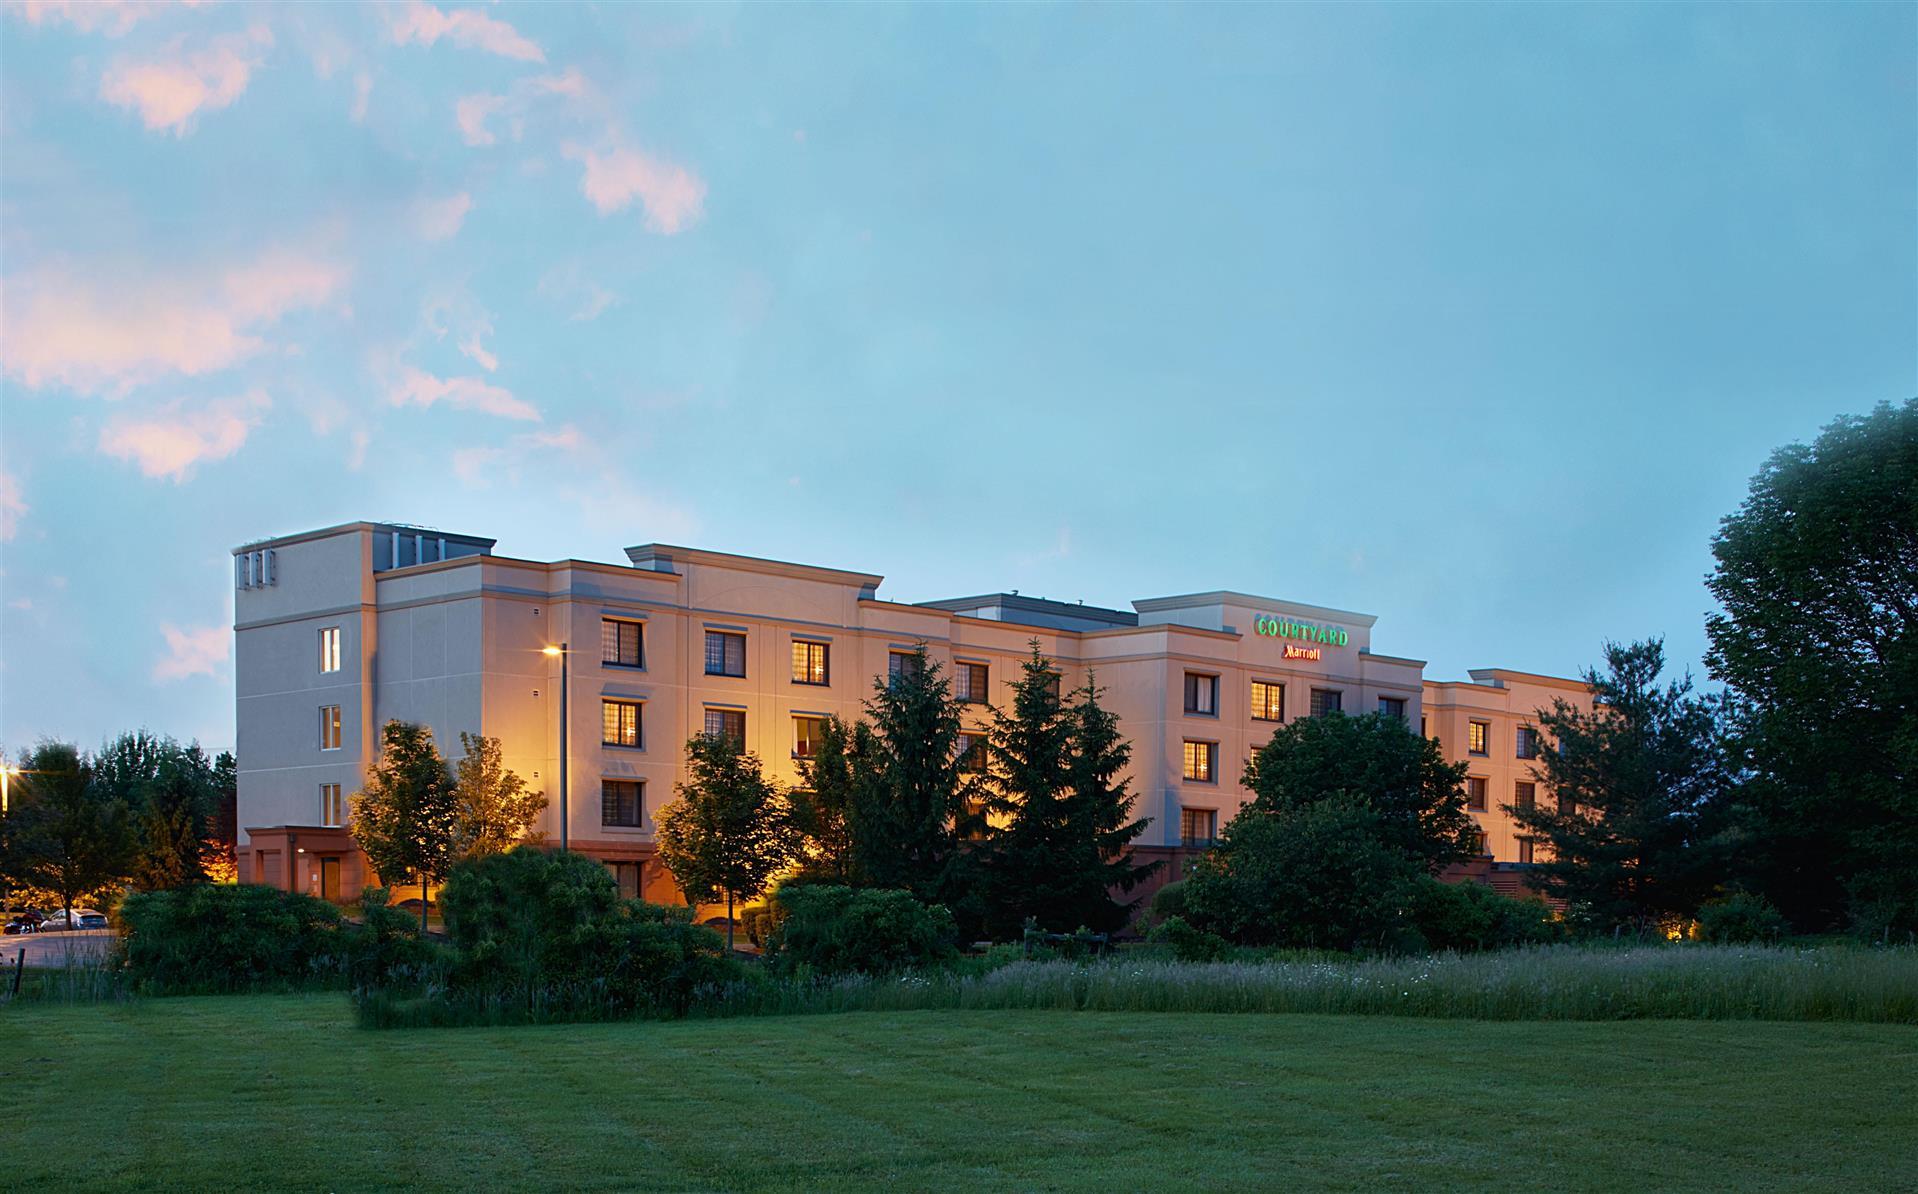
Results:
562 652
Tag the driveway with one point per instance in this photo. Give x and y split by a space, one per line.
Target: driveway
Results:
57 949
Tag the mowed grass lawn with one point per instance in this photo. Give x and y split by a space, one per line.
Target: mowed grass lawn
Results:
253 1092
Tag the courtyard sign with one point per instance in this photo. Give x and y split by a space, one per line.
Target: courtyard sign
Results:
1272 627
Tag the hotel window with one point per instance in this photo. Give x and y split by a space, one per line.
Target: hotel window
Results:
1527 742
969 683
1326 701
1567 805
332 806
1475 840
1201 694
621 643
619 723
330 649
1524 794
1201 759
725 653
1268 701
622 803
812 663
1478 737
1198 826
900 664
1393 707
727 723
806 732
626 875
329 727
972 754
1056 685
1475 793
1525 851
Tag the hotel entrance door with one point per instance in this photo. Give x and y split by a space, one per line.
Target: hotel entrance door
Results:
330 879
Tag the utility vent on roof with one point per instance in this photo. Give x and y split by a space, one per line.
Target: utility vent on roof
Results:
256 569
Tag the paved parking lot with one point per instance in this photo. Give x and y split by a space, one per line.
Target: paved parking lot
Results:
56 949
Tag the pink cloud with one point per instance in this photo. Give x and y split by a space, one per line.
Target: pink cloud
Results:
672 195
173 440
474 113
419 388
194 651
425 24
114 18
440 219
100 329
13 506
171 89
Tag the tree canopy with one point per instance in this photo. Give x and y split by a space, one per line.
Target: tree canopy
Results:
730 831
406 815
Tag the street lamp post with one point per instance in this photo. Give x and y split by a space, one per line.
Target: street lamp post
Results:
562 652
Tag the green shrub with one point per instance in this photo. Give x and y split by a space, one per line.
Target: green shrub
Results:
1314 876
833 930
541 935
226 937
1741 918
385 948
1471 916
1168 902
1189 944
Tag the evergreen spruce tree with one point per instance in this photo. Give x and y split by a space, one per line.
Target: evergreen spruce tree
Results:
908 818
834 778
1638 785
1030 764
1099 819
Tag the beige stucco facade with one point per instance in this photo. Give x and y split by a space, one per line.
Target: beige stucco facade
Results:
438 630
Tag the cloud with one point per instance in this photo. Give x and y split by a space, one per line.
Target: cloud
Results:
479 466
566 287
173 440
13 506
96 328
440 219
474 113
362 92
473 350
672 195
419 388
114 18
464 27
170 89
194 651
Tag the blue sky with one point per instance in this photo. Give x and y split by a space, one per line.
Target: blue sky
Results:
1477 318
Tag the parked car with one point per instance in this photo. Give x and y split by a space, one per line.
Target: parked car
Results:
26 920
83 918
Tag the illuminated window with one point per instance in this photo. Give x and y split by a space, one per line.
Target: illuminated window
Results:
619 723
725 653
622 803
332 806
1200 761
969 683
329 727
972 754
1525 850
1201 694
330 649
806 733
1478 737
1527 742
1198 826
621 643
903 664
727 723
1268 701
811 663
626 875
1524 794
1326 701
1475 793
1393 707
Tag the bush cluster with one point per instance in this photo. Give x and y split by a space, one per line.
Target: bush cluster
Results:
830 930
1741 919
1467 917
216 938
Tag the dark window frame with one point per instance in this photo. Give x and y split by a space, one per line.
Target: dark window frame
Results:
1478 793
1187 815
803 673
1259 708
971 693
1211 754
1484 749
726 716
619 626
1199 685
1321 697
608 791
639 723
724 653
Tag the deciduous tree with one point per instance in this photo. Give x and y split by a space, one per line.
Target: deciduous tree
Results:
730 831
68 834
496 810
407 814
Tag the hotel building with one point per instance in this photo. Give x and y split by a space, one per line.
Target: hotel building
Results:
339 631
